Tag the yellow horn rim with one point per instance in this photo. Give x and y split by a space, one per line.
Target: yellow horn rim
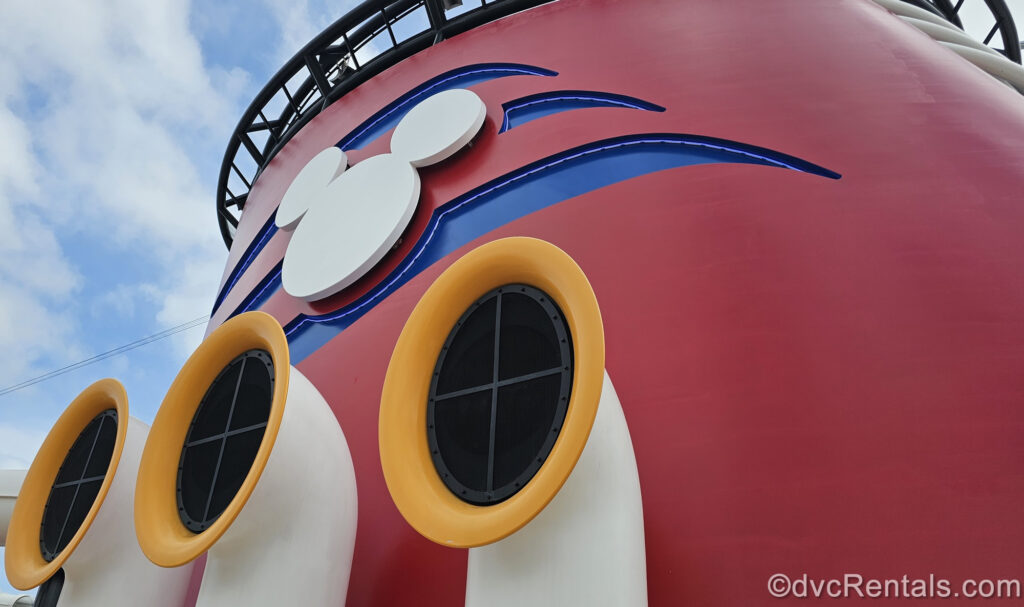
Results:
26 568
163 537
417 490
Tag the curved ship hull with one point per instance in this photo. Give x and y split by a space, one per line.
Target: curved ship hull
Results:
801 225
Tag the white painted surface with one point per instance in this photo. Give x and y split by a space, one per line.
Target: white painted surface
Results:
948 35
310 186
345 221
10 485
438 126
15 600
108 567
586 548
907 10
995 65
342 237
296 533
945 34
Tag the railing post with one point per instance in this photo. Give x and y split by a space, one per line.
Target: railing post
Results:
435 15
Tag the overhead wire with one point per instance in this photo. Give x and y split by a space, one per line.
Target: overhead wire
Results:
138 343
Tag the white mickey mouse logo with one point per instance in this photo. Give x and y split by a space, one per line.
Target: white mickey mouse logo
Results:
313 179
345 221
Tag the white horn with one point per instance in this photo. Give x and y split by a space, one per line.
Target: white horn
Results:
266 483
71 529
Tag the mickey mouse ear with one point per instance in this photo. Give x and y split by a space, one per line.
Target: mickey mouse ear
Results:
438 127
320 171
350 227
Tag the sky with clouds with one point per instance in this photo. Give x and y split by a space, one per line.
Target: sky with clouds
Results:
114 117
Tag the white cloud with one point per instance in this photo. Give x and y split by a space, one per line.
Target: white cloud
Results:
140 54
194 294
108 108
35 277
113 127
121 82
17 165
296 25
18 446
32 330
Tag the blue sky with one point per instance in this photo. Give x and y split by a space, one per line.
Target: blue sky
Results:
114 117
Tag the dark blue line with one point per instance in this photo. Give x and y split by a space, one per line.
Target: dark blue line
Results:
531 188
255 246
262 292
529 108
387 118
382 122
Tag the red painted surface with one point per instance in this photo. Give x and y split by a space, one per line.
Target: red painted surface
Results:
819 376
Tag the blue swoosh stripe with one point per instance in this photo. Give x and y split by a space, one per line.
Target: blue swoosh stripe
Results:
529 108
255 246
536 186
389 117
382 122
266 287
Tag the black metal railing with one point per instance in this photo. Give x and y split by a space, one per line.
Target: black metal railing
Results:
1004 25
378 34
370 38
